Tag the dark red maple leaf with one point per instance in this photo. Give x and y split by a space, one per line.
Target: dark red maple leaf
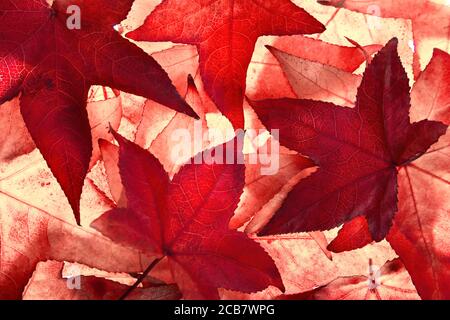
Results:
419 233
187 219
53 67
358 150
226 41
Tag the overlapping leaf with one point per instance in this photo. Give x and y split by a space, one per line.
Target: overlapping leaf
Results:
225 43
419 233
48 284
358 150
186 219
53 66
391 282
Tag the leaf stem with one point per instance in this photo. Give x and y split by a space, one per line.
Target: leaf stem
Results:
141 278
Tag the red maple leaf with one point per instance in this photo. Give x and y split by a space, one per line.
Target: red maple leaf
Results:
53 67
226 42
359 150
419 233
187 219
